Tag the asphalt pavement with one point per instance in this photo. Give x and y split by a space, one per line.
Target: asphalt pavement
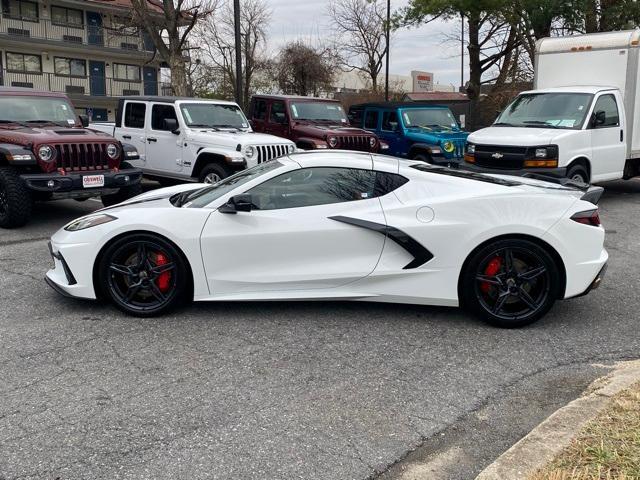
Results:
271 390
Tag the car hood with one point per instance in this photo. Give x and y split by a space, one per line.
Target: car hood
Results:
323 130
518 136
233 138
436 137
19 135
154 197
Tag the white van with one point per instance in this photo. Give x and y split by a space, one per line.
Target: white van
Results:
582 119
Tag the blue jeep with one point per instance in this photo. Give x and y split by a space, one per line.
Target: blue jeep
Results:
414 130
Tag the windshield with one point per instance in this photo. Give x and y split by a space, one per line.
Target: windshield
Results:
204 196
429 118
35 110
197 115
548 110
318 111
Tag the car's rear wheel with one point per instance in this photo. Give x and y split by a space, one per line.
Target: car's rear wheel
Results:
510 283
16 202
143 274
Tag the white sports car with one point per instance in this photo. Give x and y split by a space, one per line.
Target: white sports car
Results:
341 226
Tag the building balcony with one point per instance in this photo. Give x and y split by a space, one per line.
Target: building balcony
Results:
84 86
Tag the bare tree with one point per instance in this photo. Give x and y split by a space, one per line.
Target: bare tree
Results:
304 70
217 45
360 26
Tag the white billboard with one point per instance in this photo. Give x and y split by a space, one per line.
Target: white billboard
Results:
422 81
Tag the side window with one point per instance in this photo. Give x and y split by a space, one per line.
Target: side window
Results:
314 186
277 114
260 110
355 117
390 121
387 183
158 115
371 119
607 104
134 115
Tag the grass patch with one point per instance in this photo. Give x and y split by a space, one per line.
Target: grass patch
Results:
608 448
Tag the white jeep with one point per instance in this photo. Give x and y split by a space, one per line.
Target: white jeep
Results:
190 140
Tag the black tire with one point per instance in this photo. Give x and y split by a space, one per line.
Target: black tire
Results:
578 172
130 274
125 193
510 283
212 173
423 157
16 202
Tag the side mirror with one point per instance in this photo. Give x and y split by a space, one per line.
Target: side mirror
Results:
171 124
84 120
238 203
598 118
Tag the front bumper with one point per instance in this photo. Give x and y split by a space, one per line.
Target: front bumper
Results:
451 162
70 185
553 172
71 275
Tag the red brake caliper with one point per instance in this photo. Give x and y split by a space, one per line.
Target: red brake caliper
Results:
164 277
493 267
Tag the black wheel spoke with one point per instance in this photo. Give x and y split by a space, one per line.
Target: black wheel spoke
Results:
526 298
123 269
142 255
493 280
133 290
161 297
158 269
502 298
532 274
508 259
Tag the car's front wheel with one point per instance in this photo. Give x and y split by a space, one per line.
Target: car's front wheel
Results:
143 274
15 200
510 283
213 173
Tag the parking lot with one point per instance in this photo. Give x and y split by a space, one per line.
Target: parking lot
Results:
288 390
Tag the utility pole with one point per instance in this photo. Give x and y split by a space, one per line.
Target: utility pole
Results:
462 53
387 34
236 21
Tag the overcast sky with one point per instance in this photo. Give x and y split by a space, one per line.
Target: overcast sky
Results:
424 48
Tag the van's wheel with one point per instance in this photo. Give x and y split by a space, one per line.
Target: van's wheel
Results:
213 173
578 173
144 275
16 202
510 283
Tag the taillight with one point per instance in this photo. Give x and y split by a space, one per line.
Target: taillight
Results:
588 217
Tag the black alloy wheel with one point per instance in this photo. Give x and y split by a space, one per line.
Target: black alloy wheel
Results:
511 283
143 274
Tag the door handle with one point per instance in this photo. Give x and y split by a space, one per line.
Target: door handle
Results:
126 137
151 139
621 135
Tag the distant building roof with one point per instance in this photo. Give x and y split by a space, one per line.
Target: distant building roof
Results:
154 5
406 104
436 97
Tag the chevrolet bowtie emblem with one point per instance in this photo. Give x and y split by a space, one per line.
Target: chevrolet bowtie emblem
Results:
497 155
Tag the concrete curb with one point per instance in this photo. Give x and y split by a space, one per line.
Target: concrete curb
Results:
545 441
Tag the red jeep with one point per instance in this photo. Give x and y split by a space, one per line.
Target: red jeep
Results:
312 123
46 153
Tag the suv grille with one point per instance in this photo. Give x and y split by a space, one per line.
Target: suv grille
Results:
354 143
82 156
269 152
503 157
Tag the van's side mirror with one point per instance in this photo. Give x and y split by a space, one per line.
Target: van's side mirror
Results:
171 124
84 120
238 203
598 118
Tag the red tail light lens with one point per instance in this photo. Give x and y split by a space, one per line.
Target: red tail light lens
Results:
588 217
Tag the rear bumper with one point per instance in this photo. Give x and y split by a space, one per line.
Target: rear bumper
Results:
70 185
554 172
596 281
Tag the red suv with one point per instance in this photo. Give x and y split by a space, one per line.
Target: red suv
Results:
312 123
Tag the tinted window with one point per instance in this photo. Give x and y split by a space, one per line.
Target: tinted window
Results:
161 112
134 115
390 121
607 104
260 110
314 186
355 116
387 183
371 119
277 112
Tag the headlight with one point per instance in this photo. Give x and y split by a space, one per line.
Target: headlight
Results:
89 221
448 147
541 153
471 148
249 152
112 151
46 153
291 148
332 141
372 142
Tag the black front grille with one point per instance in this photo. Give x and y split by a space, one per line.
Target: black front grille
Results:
82 156
352 142
269 152
500 157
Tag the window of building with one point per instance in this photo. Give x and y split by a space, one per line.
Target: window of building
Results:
72 67
123 71
21 10
371 119
123 26
22 62
67 17
134 115
158 115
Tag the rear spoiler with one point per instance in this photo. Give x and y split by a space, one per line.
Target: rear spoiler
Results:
591 194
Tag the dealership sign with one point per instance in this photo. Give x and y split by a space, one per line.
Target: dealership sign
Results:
422 81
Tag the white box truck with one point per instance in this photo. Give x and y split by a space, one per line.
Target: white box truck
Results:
581 121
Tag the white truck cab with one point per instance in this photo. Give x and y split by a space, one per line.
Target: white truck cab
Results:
188 139
581 120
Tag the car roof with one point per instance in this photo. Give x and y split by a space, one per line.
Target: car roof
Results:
164 99
297 97
397 105
572 89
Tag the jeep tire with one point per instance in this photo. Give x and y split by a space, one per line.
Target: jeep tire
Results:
16 202
423 157
212 173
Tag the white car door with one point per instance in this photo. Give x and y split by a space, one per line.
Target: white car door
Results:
132 129
607 139
304 232
164 149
